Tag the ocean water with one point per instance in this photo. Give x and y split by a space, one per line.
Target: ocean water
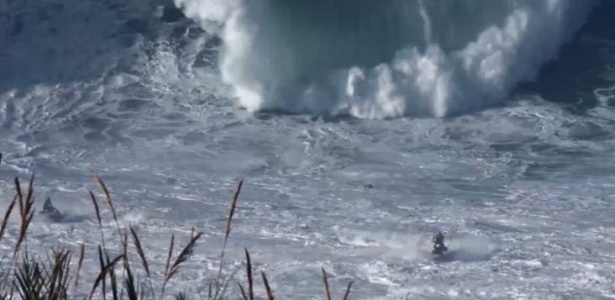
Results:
360 128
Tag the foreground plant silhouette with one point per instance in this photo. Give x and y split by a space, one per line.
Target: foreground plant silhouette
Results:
25 275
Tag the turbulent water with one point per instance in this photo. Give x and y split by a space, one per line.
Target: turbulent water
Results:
361 129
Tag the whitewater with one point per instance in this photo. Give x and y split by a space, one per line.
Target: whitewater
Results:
360 128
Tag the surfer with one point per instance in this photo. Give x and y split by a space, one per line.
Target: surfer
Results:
438 246
50 211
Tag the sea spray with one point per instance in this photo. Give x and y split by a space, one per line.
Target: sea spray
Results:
387 58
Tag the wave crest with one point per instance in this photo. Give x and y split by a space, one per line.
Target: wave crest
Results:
383 59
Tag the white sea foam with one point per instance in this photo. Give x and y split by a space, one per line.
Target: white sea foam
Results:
309 58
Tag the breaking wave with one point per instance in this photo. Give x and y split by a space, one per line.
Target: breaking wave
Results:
382 59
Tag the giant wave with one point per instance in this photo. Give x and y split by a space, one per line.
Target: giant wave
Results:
382 59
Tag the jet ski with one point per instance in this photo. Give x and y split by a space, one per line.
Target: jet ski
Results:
439 248
50 212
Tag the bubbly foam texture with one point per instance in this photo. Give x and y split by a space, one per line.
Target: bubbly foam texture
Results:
418 246
439 58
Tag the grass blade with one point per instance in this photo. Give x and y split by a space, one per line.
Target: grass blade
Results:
326 282
79 264
232 212
249 275
98 218
243 292
267 287
347 291
7 215
137 243
26 213
96 209
106 268
167 268
112 276
109 202
183 256
229 221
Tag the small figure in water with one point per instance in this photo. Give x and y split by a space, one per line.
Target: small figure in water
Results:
50 211
438 246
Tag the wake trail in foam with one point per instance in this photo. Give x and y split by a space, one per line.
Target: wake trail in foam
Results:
416 246
382 59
